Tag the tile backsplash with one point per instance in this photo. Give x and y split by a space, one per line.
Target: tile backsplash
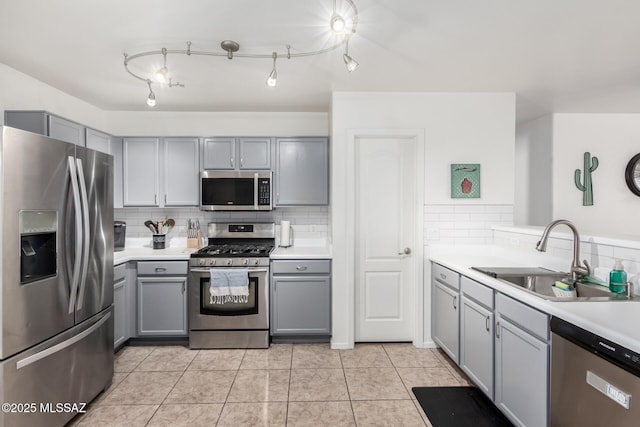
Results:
464 224
310 223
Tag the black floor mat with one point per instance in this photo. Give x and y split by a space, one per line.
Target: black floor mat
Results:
459 407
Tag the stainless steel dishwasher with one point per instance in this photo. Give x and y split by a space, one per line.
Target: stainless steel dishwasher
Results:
594 382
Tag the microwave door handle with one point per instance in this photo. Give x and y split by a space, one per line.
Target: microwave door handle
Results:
85 249
255 191
71 168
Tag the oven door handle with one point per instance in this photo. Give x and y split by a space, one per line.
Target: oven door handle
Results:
205 270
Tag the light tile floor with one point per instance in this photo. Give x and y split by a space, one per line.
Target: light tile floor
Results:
285 385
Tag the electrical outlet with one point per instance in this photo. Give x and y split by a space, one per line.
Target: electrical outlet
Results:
514 241
312 228
433 234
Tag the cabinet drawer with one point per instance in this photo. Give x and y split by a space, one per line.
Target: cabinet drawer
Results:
446 276
301 267
524 316
119 271
162 268
482 294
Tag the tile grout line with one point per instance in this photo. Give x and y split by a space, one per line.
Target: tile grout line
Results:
346 383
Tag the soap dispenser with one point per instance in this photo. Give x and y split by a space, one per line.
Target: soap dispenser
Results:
618 278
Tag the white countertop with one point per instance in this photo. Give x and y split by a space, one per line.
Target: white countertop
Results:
182 253
302 252
617 321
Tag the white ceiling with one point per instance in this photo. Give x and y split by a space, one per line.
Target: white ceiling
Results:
557 55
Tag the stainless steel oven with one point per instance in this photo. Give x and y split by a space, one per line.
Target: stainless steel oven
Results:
231 322
236 190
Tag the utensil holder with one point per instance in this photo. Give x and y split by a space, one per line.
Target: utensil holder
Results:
159 241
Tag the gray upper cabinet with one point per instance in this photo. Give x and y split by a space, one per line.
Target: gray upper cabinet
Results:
140 167
66 130
160 172
236 153
47 124
98 141
219 153
302 171
181 171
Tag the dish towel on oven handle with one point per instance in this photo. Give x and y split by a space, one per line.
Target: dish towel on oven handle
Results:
228 285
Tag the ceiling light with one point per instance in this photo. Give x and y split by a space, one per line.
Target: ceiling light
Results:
350 63
344 23
162 73
272 81
151 100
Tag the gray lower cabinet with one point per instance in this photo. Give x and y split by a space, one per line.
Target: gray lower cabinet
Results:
120 311
162 298
301 297
476 334
445 286
521 363
302 171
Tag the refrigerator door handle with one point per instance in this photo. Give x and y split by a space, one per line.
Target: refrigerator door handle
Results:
61 346
85 234
71 167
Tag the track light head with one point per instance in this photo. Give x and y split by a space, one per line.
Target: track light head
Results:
161 75
350 63
338 24
272 81
151 99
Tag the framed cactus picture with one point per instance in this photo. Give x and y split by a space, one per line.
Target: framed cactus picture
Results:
465 181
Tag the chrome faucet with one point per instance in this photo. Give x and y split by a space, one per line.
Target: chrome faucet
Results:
577 269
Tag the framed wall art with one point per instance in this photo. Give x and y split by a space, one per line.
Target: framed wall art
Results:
465 181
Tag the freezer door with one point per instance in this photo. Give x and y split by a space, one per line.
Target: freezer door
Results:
71 368
95 170
34 177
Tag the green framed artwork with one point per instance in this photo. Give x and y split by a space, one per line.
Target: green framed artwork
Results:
465 181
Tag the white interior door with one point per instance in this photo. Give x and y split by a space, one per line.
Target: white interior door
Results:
385 237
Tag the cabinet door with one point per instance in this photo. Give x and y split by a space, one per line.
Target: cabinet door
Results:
522 369
255 153
181 172
219 153
301 305
302 171
119 313
98 141
476 344
140 165
65 130
445 319
162 306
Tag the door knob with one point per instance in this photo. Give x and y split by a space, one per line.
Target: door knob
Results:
406 251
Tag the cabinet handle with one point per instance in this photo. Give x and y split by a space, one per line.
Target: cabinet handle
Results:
241 162
160 269
165 199
183 286
155 199
486 323
301 267
231 161
497 329
455 300
443 276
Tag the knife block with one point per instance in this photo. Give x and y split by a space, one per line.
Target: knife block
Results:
193 243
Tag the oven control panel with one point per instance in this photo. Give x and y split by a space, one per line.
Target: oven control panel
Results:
229 262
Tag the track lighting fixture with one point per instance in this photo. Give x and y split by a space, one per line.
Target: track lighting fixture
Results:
342 24
350 63
151 100
272 81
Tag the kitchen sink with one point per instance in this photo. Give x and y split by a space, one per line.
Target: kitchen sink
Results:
539 281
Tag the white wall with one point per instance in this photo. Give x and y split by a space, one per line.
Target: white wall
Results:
614 139
533 172
163 123
458 128
19 91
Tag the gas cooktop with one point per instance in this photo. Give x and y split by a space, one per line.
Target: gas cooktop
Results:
233 250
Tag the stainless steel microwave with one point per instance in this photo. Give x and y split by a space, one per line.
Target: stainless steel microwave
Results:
236 190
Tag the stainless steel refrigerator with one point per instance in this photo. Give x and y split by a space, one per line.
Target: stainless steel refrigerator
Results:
56 267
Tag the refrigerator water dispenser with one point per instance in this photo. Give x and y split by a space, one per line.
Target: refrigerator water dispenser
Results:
38 257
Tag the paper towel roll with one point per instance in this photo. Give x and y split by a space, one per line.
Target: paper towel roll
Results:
285 236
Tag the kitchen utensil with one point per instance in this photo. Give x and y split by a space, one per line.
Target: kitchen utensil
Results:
151 226
169 223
